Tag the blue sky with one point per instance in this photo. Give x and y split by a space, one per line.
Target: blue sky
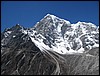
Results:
27 13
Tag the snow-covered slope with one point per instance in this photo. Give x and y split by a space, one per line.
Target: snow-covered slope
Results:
59 35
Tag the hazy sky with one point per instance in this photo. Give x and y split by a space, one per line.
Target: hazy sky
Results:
27 13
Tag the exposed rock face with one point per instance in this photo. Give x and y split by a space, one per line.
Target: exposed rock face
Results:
52 47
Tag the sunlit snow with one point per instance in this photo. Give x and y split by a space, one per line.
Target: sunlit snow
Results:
14 36
60 43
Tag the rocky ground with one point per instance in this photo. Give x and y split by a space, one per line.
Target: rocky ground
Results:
22 57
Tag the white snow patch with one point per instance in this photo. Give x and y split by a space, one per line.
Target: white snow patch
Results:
6 34
40 45
59 27
95 45
60 50
94 32
24 31
81 50
68 23
14 36
9 32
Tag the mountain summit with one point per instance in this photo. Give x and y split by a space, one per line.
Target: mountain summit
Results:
53 46
63 37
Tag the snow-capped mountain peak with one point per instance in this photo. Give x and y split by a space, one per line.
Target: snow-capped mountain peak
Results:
59 35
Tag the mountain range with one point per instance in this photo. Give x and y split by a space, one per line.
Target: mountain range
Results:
53 46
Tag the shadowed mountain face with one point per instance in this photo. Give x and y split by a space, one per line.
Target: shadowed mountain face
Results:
52 47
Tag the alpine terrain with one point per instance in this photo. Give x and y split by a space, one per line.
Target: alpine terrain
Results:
53 46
